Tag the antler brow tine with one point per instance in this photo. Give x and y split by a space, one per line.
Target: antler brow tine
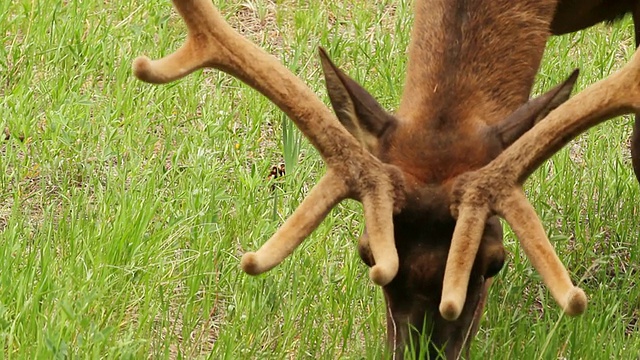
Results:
500 183
353 172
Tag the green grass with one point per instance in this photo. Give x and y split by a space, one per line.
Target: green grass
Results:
125 207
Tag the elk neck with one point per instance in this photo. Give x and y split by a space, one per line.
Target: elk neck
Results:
458 81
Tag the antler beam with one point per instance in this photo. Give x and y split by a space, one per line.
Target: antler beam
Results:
497 189
353 172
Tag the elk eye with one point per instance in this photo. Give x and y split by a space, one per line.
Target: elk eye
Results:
492 253
494 266
365 251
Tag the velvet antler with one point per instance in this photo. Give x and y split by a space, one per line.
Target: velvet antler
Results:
352 171
497 189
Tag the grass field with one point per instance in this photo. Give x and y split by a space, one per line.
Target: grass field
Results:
125 207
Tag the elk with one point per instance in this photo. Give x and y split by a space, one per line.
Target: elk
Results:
434 177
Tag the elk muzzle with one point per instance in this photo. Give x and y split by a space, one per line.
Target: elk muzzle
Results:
414 322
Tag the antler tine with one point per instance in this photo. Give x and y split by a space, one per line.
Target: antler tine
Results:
498 187
211 42
328 192
465 247
526 224
380 227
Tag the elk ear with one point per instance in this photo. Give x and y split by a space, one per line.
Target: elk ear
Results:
534 110
356 109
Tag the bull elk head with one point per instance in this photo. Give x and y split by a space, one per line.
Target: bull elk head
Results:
434 177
